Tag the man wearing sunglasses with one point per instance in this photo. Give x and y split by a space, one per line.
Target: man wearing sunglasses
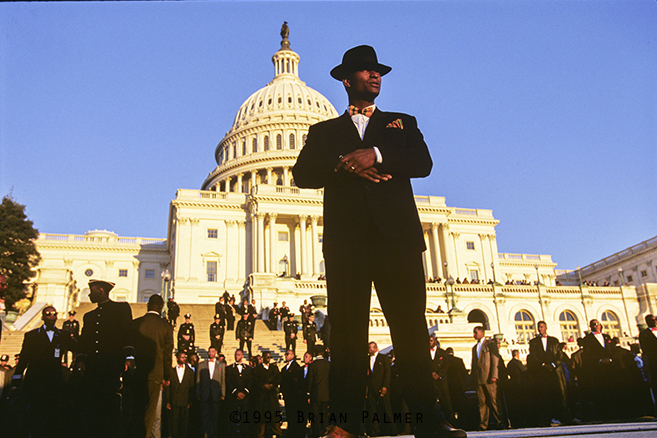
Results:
43 382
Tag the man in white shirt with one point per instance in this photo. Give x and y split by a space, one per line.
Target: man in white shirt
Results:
210 390
178 396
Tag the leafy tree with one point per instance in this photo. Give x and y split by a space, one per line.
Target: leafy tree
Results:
18 253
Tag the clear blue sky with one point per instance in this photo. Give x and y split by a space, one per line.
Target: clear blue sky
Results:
543 111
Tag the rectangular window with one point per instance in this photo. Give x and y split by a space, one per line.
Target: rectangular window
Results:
469 245
282 236
212 233
644 274
123 272
474 275
320 237
211 269
630 279
150 273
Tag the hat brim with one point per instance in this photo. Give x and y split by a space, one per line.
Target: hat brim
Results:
343 71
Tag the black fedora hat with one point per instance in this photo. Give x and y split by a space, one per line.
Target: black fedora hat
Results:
359 58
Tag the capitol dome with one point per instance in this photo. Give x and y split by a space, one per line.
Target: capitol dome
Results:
269 129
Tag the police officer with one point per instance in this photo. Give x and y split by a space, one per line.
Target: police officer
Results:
72 327
244 332
310 334
217 331
291 328
187 336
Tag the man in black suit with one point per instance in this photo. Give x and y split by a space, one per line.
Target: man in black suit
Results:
293 394
43 383
439 370
152 338
379 413
456 378
210 391
648 341
548 376
319 392
364 160
105 351
239 381
220 309
310 334
179 396
598 369
267 377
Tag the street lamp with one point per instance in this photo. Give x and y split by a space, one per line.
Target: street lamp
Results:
454 309
492 266
166 278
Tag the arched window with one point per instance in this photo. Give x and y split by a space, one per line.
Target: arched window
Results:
244 147
254 145
479 316
266 142
292 145
304 140
525 328
283 267
569 325
279 142
610 324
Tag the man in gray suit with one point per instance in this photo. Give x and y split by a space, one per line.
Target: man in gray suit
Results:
153 342
210 390
484 373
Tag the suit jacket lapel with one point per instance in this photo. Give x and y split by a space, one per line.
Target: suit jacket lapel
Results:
374 127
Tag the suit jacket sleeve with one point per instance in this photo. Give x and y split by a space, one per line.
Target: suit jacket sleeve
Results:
315 165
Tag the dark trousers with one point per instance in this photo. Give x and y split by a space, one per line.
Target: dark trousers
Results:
248 345
210 417
310 346
291 344
398 276
178 420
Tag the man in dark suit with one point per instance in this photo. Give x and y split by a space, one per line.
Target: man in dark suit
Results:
267 377
439 370
379 413
210 391
648 341
456 378
364 160
318 391
239 381
43 383
310 334
187 336
179 396
548 376
152 338
598 370
220 309
105 351
293 394
244 332
484 373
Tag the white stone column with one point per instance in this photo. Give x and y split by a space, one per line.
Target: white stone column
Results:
486 267
435 249
192 269
254 176
273 265
241 251
269 181
457 273
449 253
231 245
302 241
227 185
260 251
495 258
286 176
240 188
314 246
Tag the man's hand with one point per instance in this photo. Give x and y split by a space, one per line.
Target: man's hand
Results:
361 162
169 406
241 395
130 365
434 375
383 391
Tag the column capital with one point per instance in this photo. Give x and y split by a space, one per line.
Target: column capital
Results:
272 216
314 218
435 226
194 220
241 224
259 215
302 218
230 222
445 226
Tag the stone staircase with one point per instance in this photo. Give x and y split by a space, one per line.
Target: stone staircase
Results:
202 318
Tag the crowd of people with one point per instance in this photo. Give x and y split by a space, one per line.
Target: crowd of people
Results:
148 395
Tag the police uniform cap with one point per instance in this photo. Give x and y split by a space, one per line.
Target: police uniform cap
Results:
106 285
71 313
188 315
4 358
217 316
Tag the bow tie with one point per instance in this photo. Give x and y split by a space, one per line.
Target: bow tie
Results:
181 366
367 112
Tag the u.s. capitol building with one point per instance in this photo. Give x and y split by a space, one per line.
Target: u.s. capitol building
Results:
251 232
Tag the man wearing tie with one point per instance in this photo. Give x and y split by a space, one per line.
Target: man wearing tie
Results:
43 382
548 376
239 381
179 396
378 394
484 373
364 160
598 369
210 391
648 341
